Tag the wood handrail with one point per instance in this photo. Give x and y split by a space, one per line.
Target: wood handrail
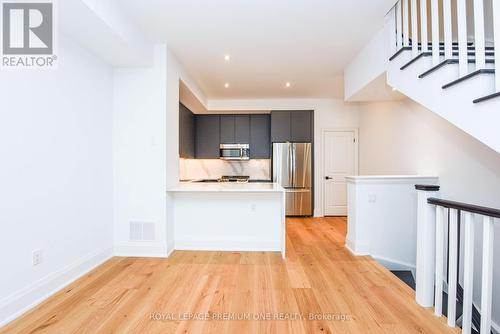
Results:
482 210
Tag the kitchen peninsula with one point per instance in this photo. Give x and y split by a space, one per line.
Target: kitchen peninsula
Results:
229 216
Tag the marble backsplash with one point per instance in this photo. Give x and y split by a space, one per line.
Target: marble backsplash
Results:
196 169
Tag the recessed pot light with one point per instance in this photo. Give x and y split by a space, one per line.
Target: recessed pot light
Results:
227 57
226 85
394 89
287 84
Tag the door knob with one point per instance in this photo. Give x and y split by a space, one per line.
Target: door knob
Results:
327 178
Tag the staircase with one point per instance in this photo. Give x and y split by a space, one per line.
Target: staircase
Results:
445 63
445 280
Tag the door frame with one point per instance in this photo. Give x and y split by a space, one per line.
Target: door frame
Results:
322 166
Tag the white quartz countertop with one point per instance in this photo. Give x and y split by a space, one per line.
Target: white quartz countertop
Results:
226 187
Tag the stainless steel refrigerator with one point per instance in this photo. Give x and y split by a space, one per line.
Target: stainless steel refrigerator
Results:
292 165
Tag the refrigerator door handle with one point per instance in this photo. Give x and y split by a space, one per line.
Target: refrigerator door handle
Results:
298 190
294 165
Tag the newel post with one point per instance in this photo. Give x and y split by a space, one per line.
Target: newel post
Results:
426 245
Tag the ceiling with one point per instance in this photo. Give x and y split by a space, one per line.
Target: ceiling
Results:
307 43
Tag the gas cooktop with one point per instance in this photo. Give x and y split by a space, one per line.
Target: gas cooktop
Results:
233 178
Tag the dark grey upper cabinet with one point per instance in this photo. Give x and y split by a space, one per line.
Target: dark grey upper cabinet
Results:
213 130
186 132
242 129
292 126
280 126
227 129
207 136
260 131
301 126
234 129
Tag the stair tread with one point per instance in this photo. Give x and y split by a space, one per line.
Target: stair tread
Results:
404 48
455 47
441 43
451 61
420 55
435 68
468 76
471 51
405 276
487 97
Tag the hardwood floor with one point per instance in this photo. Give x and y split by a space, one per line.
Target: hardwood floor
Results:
320 277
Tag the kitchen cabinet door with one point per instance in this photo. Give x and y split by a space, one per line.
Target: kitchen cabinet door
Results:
280 126
242 129
227 129
260 136
301 126
207 136
186 132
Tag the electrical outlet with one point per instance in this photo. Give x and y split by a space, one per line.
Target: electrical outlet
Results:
37 257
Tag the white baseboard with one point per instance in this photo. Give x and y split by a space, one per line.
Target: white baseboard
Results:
362 249
141 250
170 252
357 249
318 213
393 264
25 299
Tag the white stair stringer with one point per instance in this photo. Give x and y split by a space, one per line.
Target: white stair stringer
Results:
480 120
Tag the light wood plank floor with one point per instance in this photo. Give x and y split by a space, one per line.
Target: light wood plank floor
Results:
319 277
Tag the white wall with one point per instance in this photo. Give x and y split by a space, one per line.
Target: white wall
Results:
329 114
104 28
382 218
139 160
55 175
369 64
175 74
405 138
146 150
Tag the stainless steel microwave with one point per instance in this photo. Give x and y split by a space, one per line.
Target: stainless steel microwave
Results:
234 151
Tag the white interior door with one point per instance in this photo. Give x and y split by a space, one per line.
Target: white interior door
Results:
339 159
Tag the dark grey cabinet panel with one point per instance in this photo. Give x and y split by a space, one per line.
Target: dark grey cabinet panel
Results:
227 129
207 136
186 132
234 129
260 131
280 126
292 126
301 126
242 129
